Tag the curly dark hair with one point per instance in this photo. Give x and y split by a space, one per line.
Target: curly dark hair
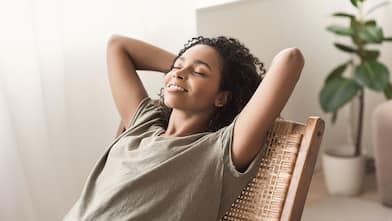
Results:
241 74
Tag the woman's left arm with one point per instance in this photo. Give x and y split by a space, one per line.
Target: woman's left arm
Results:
264 107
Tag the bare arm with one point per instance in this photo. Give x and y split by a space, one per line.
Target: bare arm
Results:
265 106
124 56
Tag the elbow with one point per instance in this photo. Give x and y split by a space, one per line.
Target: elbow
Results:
295 55
295 60
291 56
114 41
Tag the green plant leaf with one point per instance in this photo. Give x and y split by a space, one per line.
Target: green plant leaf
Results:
336 92
343 14
340 30
371 34
371 54
371 23
372 74
338 71
356 3
355 26
388 91
345 48
387 39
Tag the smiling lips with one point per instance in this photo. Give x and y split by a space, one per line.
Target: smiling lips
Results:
172 87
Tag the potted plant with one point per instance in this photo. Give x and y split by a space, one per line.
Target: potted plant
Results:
346 83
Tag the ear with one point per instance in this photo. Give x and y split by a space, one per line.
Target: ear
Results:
222 98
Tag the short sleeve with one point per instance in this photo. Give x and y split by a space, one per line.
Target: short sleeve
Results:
146 111
226 135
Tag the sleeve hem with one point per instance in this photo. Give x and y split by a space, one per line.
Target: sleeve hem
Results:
237 173
139 108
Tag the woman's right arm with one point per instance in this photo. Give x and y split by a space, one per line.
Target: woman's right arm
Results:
124 56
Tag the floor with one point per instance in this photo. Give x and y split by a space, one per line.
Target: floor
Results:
320 206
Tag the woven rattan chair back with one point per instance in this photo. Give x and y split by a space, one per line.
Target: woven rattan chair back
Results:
279 190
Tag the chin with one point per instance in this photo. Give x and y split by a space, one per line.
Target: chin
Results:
173 103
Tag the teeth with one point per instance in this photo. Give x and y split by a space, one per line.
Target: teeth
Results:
176 87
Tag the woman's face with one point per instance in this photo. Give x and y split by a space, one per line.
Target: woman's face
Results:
193 83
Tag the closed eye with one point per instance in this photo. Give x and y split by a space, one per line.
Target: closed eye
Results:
199 73
195 72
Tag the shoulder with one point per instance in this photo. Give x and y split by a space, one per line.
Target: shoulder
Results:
148 110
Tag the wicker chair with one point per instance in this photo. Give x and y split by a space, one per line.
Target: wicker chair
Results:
279 190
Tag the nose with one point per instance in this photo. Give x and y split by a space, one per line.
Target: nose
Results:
179 74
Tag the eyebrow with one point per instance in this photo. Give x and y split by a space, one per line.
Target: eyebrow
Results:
198 62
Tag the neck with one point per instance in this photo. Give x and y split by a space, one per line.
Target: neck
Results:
182 123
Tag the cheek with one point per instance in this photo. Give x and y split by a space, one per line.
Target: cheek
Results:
206 90
166 79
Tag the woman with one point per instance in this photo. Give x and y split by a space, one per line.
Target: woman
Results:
188 157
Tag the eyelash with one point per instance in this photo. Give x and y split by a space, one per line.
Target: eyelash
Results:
199 73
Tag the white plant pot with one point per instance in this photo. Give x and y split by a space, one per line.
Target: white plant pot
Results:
343 173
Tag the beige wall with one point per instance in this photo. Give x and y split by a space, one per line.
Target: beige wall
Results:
266 26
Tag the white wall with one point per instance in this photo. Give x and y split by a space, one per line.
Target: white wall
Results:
267 26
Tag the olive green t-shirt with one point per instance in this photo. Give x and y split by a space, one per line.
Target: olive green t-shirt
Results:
143 176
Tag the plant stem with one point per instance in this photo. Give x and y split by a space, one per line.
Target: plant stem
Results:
358 141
